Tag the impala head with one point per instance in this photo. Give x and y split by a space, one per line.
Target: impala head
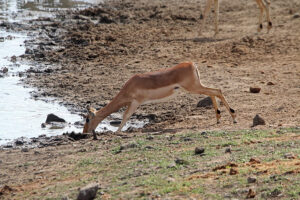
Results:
90 125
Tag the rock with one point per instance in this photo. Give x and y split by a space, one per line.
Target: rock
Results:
251 179
251 194
128 146
24 150
77 136
289 156
4 70
233 171
149 137
254 161
19 142
180 161
172 165
115 122
255 89
43 125
53 118
270 83
199 151
13 59
257 120
88 192
205 103
275 193
296 15
228 150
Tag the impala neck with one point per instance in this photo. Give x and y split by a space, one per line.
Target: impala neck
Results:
112 107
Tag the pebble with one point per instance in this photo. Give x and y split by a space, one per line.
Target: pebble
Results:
88 192
251 194
199 151
255 89
251 179
257 120
228 150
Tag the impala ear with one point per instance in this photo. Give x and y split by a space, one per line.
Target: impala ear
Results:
91 110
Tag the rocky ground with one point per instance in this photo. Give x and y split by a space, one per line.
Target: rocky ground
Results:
85 57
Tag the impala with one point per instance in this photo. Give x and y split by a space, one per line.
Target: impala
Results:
148 87
262 4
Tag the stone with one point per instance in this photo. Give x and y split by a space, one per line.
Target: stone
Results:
24 150
251 179
270 83
255 89
296 15
88 192
4 70
289 156
228 150
257 120
199 151
251 194
180 161
53 118
233 171
275 193
205 103
128 146
115 122
19 142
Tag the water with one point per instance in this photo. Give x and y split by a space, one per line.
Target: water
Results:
20 115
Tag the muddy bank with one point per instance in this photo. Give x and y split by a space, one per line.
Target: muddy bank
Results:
86 56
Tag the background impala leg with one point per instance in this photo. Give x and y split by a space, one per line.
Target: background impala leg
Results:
204 15
218 112
216 5
129 111
267 7
261 8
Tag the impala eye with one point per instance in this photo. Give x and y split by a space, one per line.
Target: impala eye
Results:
87 120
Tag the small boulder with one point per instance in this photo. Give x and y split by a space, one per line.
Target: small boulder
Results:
53 118
233 171
199 151
205 103
289 156
255 89
296 15
228 150
180 161
251 179
88 192
4 70
257 120
251 194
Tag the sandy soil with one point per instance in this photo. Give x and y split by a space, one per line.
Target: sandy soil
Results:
92 53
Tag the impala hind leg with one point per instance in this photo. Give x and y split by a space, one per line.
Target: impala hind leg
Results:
127 114
217 93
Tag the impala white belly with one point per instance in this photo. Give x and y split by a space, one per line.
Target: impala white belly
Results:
160 94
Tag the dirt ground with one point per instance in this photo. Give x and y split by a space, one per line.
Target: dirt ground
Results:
92 53
85 57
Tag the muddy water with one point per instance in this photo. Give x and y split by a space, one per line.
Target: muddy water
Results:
20 115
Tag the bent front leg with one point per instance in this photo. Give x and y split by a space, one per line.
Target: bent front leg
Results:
129 111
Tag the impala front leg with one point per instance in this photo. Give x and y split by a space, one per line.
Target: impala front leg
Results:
129 111
218 112
267 7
